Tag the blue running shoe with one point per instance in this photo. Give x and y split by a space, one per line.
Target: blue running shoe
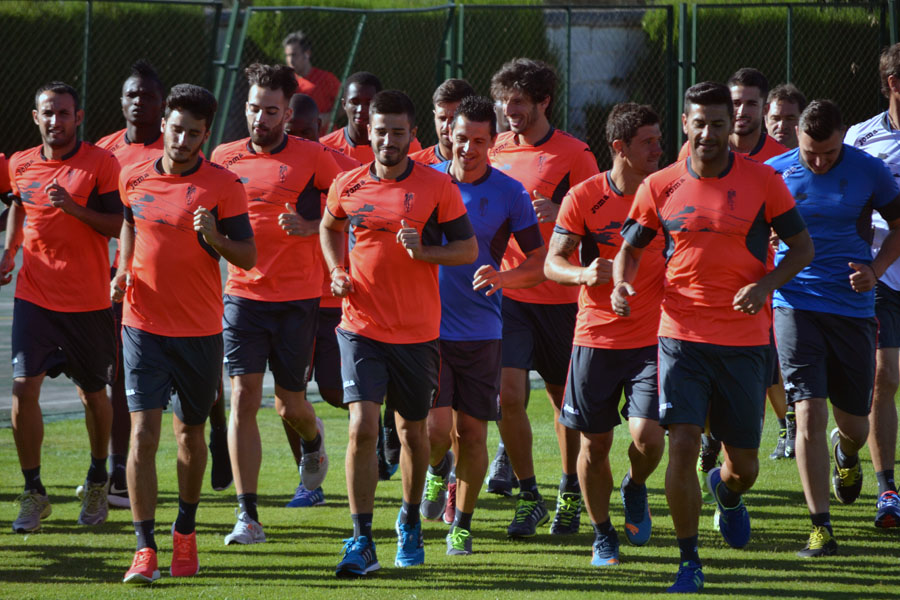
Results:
606 550
410 546
732 523
888 507
638 524
304 497
359 558
689 579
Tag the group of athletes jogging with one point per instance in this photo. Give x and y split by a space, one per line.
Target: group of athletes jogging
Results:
432 282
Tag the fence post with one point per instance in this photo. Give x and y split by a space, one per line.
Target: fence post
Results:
682 59
671 102
351 56
790 43
225 108
85 62
568 86
696 17
892 16
460 62
445 66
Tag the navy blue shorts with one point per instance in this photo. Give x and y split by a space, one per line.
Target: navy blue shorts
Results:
824 355
326 360
597 378
887 311
405 374
278 333
158 367
80 344
725 385
539 337
470 378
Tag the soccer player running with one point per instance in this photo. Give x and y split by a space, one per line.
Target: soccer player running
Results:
398 212
271 310
62 322
825 318
539 322
321 85
715 210
471 324
612 353
182 213
446 98
784 105
879 136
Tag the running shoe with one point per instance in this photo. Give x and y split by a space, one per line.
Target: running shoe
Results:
605 550
410 545
733 523
314 465
359 558
32 508
821 543
185 562
117 492
144 567
220 476
459 542
94 506
246 531
778 452
303 498
531 513
434 498
790 442
689 579
638 523
708 460
568 514
450 508
888 507
500 479
846 482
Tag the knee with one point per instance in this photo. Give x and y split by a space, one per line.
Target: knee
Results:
595 448
363 433
649 438
292 411
244 404
471 435
887 377
744 472
26 389
143 441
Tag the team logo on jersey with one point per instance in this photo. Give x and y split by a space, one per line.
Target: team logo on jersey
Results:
407 201
482 206
541 160
282 173
599 203
731 196
189 195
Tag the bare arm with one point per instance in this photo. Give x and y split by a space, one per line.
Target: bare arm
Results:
752 298
625 268
457 252
332 238
123 278
108 224
558 268
528 274
240 253
14 235
864 277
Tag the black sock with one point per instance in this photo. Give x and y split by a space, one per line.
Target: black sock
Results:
442 469
247 503
186 521
568 483
727 497
605 528
463 520
144 532
886 481
845 461
312 446
362 525
821 520
688 548
529 485
409 514
97 471
782 423
33 480
632 485
117 461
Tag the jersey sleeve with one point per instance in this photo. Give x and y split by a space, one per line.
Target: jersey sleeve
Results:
234 220
569 220
450 204
685 151
333 202
521 211
642 223
584 168
886 190
123 195
781 211
326 170
108 174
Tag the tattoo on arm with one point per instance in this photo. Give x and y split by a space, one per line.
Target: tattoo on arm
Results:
563 245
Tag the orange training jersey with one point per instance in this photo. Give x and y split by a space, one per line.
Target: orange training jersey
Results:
551 166
321 86
128 152
176 287
595 211
296 172
717 237
396 299
65 262
4 175
766 148
339 139
329 300
429 156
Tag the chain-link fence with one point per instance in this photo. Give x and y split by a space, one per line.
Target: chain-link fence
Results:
91 44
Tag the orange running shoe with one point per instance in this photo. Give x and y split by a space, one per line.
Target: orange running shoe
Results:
143 568
184 554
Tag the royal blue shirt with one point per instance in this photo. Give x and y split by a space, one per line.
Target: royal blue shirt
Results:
837 208
498 207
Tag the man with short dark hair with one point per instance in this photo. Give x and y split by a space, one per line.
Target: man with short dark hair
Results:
398 212
65 207
612 354
446 98
715 209
538 322
825 318
321 85
880 136
271 311
182 213
783 107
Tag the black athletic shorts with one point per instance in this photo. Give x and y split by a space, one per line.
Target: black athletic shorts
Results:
539 337
80 344
724 384
824 355
597 378
887 311
278 333
158 367
326 360
405 374
470 377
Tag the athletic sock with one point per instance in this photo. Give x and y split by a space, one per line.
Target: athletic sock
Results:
186 521
409 514
568 483
603 529
97 471
311 446
688 548
845 461
362 525
463 520
442 469
33 480
822 520
782 423
117 461
144 530
727 498
530 485
247 503
886 481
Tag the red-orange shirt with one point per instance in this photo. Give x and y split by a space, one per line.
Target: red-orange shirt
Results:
128 152
552 166
176 286
339 139
766 148
65 262
595 210
322 86
296 172
717 237
329 300
396 299
429 156
4 175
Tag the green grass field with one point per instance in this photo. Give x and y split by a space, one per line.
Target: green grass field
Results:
69 561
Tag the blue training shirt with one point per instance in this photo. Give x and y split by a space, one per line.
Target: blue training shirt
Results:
498 206
837 208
